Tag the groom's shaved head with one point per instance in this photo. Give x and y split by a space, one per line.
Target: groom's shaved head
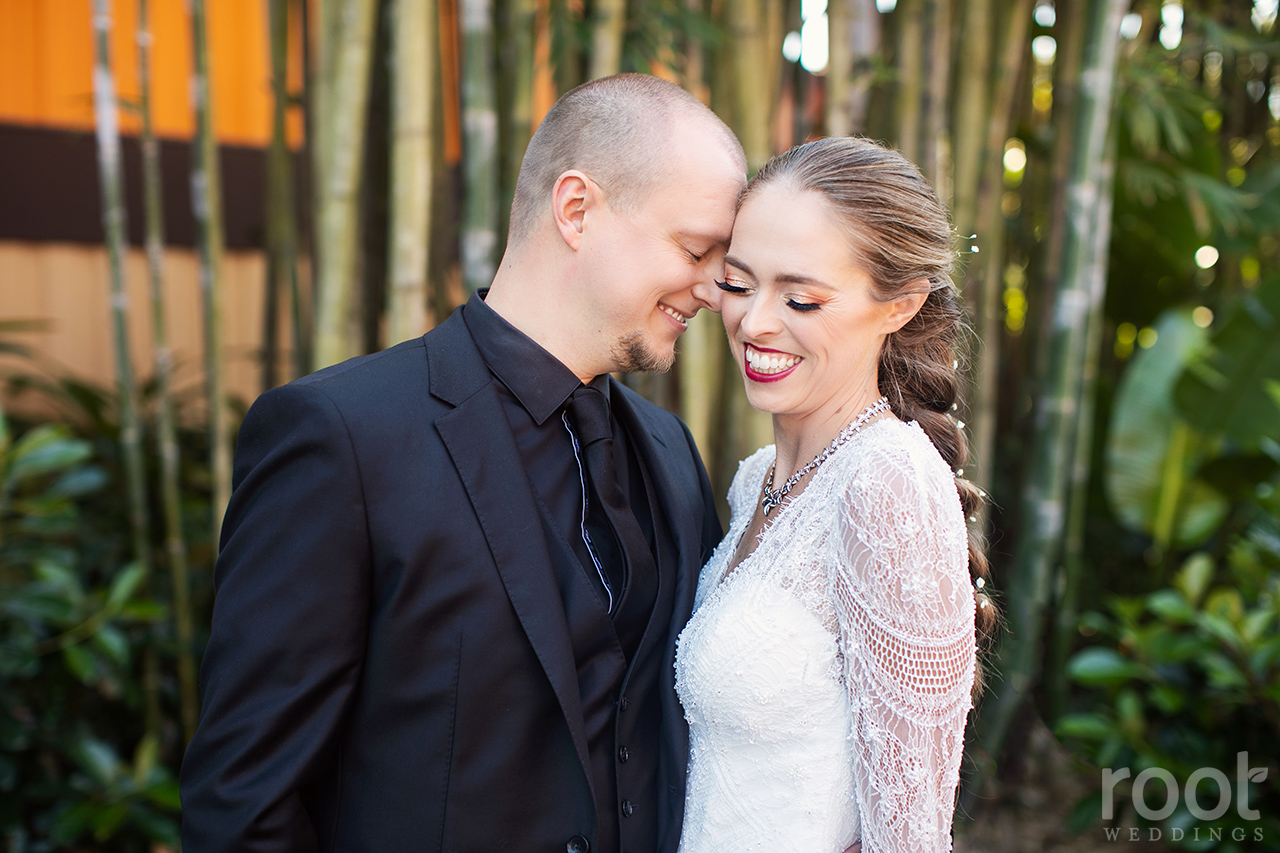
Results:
617 131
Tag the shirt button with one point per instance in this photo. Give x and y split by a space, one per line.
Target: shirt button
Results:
577 844
627 808
624 754
624 704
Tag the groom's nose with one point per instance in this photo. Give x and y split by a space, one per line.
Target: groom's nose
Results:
708 295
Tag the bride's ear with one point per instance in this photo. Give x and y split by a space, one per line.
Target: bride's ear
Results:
902 309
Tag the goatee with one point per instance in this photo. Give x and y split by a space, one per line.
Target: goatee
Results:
632 355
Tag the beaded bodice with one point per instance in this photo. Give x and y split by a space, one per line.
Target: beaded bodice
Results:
826 679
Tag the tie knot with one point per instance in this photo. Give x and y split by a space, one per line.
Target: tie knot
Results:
590 413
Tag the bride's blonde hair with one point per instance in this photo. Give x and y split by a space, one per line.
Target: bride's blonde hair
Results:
900 233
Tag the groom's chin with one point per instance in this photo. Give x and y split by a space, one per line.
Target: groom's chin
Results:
634 354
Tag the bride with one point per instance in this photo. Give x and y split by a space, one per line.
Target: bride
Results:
827 671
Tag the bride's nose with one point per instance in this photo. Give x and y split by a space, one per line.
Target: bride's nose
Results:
760 318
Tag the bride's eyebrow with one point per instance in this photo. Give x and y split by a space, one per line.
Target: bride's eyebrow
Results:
730 260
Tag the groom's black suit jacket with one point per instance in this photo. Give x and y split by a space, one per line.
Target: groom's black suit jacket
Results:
390 667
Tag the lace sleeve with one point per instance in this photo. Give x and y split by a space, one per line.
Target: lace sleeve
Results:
906 612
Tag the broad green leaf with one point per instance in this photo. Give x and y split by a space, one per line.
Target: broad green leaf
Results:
1168 699
1151 453
108 819
164 794
1098 665
1226 603
1226 386
70 823
1170 604
44 450
80 481
97 759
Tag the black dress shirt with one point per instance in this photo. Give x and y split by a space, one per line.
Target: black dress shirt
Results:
535 386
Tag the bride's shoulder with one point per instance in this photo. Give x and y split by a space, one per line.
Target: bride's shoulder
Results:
896 453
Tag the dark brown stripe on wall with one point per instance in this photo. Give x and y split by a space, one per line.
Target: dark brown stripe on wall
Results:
49 188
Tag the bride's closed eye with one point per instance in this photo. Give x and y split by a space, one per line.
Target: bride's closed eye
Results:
730 288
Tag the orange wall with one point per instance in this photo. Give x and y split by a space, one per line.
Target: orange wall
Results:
46 66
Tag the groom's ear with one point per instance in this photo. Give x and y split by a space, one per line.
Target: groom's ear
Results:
571 196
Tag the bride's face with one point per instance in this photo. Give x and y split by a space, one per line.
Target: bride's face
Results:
800 312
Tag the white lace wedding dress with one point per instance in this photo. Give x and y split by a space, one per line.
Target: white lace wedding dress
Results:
827 678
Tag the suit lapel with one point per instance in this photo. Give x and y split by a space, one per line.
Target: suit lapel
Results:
477 436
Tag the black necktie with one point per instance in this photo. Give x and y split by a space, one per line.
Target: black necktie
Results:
633 596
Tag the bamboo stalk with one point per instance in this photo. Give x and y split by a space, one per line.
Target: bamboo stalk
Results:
110 178
282 230
167 435
1056 431
855 37
340 119
413 81
935 72
1073 562
206 203
746 25
910 70
972 115
524 26
480 164
607 32
985 280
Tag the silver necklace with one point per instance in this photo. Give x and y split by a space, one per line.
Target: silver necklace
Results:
771 498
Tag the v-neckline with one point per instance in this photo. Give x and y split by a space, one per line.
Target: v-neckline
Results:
782 508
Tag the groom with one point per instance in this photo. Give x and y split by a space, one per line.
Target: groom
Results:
453 572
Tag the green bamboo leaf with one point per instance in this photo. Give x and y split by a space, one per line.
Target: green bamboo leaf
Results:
1130 715
1101 666
1193 579
1228 386
1084 726
1255 624
144 760
82 664
124 585
113 643
1151 452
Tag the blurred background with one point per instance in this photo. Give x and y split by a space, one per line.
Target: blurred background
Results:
200 201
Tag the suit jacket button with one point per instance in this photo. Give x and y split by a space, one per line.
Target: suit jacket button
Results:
624 755
627 808
577 844
624 704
